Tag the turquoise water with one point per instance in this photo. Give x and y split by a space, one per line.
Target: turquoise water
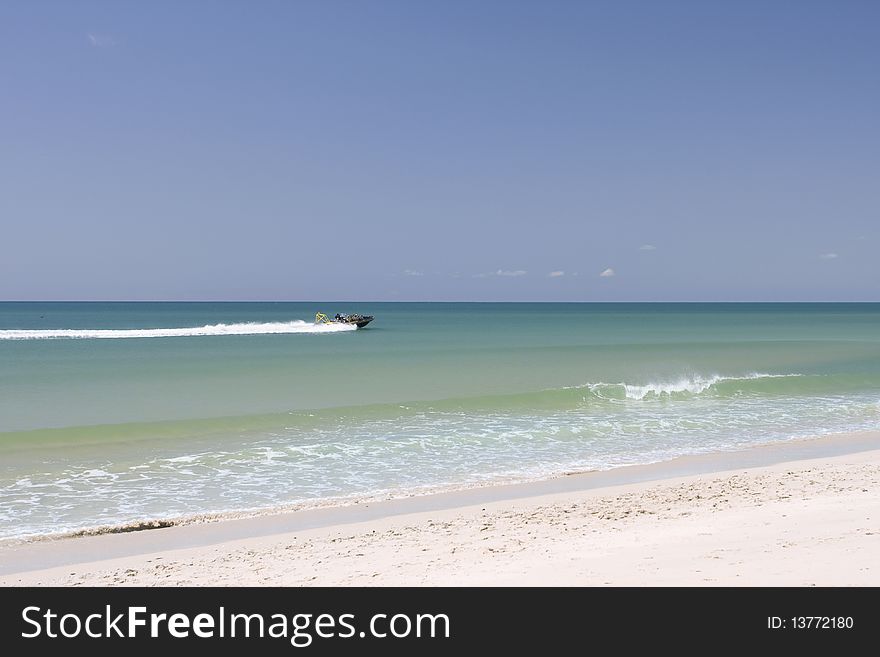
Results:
113 413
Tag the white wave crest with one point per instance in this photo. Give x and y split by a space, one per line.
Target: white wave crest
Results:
691 385
694 386
250 328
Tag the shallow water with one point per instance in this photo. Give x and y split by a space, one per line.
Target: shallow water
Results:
113 413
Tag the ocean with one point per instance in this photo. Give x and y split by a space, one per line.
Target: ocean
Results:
113 414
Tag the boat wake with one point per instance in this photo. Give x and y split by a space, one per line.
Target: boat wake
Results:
250 328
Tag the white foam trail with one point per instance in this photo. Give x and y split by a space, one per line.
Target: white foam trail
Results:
251 328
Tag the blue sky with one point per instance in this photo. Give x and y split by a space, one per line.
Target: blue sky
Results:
440 150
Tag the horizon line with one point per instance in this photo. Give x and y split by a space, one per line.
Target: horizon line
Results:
325 301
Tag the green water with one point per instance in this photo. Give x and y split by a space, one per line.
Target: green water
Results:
249 407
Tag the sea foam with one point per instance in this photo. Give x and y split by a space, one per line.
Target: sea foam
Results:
691 385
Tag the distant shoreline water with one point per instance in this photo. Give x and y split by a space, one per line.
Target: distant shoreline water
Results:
202 408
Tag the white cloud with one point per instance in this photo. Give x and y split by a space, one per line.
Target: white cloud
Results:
647 247
100 40
413 272
556 274
828 256
502 272
608 273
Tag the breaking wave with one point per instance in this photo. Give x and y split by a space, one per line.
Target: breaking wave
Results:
250 328
690 386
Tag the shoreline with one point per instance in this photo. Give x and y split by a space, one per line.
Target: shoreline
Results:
34 561
701 462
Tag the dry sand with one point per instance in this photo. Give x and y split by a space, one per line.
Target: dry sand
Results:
804 522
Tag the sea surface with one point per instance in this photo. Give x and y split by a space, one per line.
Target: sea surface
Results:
117 413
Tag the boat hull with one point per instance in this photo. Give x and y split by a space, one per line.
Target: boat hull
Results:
358 320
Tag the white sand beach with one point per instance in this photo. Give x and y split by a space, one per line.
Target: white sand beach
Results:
805 522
